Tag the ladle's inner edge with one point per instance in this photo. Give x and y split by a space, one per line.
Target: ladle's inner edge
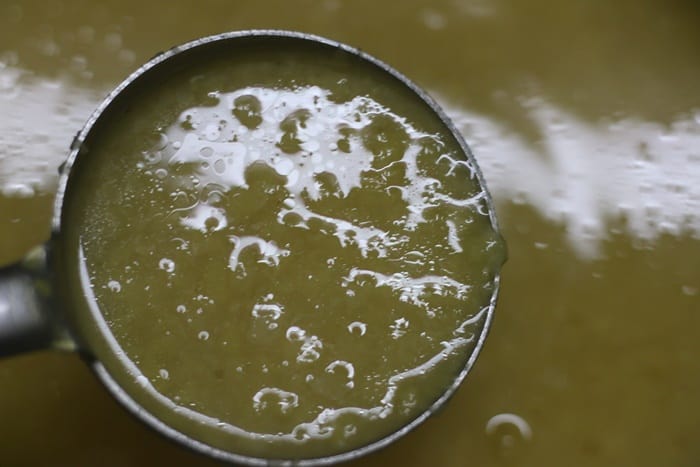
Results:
277 247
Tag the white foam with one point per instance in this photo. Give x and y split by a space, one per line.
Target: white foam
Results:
319 126
38 119
270 253
585 173
412 289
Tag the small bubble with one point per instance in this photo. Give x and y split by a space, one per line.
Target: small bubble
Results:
357 327
113 41
127 56
86 34
295 333
284 166
163 373
203 336
161 173
508 430
301 434
212 132
349 371
78 63
167 265
350 430
220 166
434 20
152 157
689 290
114 286
211 224
50 48
206 152
181 309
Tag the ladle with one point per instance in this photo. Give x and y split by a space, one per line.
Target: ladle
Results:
34 316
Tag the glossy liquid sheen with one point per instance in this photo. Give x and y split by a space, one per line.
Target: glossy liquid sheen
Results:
292 256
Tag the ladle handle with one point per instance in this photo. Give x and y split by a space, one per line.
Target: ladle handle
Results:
25 323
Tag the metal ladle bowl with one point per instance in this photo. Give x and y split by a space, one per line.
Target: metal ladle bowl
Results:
29 310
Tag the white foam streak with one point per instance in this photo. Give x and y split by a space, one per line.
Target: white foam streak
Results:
269 251
38 119
586 173
366 239
412 289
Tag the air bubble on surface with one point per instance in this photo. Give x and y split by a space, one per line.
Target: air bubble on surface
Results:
433 19
310 350
357 327
347 367
268 312
295 333
508 430
166 265
282 400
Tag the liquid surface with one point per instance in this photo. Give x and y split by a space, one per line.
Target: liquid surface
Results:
290 270
570 107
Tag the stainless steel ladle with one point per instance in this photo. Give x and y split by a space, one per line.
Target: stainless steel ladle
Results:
28 307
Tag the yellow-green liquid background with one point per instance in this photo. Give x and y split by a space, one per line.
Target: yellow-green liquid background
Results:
595 341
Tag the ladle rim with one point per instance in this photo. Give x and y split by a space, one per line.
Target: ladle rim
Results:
151 420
